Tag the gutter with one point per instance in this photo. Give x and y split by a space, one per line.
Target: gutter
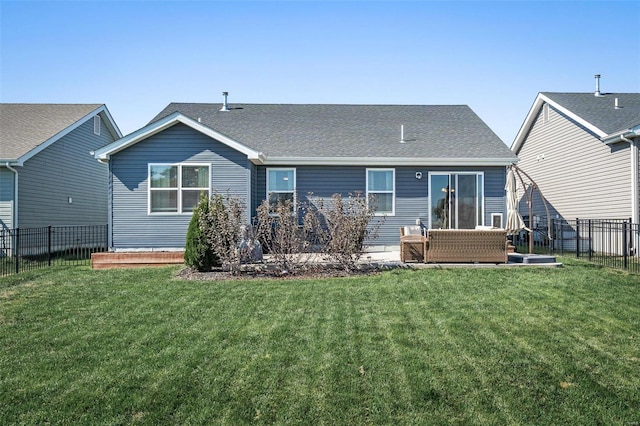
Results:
14 213
624 136
384 161
630 136
635 178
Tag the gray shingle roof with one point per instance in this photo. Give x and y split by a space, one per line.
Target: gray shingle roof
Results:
600 111
25 126
303 131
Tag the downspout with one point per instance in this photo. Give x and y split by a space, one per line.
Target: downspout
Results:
14 213
635 176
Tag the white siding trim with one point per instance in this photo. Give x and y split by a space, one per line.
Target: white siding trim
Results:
101 110
387 161
635 176
104 153
14 210
533 113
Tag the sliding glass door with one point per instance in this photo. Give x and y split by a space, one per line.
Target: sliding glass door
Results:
456 200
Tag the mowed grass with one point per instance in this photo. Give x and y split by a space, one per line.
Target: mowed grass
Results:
437 346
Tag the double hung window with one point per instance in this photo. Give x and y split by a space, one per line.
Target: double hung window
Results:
281 184
176 188
381 190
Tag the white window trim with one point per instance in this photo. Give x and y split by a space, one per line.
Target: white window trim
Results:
392 192
295 183
179 188
97 124
449 173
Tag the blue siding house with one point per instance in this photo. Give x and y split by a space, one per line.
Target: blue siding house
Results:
48 175
439 165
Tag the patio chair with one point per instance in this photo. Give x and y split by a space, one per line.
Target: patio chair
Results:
413 244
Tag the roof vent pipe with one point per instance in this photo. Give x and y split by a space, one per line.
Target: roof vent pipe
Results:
597 93
616 104
402 140
225 105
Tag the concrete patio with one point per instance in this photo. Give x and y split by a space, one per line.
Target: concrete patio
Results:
515 260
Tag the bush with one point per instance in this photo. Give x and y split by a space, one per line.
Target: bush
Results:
342 228
198 253
336 231
225 217
281 237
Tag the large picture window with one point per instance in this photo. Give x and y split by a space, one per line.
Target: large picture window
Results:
456 200
381 188
176 188
281 184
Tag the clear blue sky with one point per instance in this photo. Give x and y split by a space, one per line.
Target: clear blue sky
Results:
137 56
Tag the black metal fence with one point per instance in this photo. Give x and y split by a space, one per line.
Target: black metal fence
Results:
609 242
23 249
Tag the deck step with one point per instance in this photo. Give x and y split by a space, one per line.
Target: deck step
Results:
135 259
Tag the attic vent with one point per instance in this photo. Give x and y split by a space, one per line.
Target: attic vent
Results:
96 124
225 105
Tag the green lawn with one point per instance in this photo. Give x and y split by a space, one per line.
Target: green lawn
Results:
437 346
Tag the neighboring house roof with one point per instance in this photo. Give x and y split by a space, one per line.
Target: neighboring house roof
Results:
597 113
341 134
26 129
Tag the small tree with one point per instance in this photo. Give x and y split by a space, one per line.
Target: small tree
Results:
281 236
345 226
198 253
225 215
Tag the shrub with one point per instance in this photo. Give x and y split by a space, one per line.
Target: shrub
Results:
281 236
342 228
225 217
336 231
198 253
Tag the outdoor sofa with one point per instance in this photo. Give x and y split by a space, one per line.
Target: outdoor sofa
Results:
454 246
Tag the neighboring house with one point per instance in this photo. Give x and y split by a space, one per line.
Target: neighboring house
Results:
582 151
48 175
407 156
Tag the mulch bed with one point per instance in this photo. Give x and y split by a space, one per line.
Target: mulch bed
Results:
263 271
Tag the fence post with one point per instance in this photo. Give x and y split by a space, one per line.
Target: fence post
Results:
49 245
106 238
552 236
577 237
589 235
16 252
630 244
558 221
625 259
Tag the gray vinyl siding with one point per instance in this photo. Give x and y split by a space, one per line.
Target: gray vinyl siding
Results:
133 227
494 194
6 198
62 170
411 203
577 173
